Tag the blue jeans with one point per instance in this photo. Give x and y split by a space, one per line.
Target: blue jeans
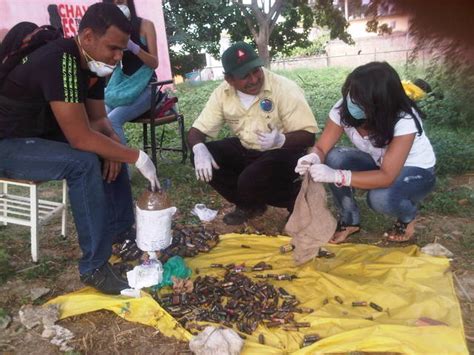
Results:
398 200
101 210
120 115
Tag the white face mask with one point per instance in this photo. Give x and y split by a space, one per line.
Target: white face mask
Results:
99 68
125 10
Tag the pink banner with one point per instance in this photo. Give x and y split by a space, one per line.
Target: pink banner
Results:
68 14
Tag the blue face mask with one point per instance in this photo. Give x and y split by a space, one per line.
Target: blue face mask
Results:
354 109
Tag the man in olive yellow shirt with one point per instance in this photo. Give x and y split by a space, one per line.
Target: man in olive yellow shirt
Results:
273 127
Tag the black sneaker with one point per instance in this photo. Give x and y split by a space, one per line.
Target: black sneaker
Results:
106 280
240 215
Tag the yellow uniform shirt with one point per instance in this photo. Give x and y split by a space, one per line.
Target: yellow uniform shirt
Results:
281 104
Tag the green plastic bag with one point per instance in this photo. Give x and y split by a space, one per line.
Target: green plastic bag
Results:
176 267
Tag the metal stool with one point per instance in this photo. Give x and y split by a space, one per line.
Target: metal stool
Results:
30 211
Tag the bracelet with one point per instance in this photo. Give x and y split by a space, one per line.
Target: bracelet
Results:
344 179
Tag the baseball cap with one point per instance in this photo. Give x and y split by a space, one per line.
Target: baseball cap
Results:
239 59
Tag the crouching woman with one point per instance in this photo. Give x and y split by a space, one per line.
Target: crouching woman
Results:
392 158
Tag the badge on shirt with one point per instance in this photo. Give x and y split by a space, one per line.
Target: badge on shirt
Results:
266 105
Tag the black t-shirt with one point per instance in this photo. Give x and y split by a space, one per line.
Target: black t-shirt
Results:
50 73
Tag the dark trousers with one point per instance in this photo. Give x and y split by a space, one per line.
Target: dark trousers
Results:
251 178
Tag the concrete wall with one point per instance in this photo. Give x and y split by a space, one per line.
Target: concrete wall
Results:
395 48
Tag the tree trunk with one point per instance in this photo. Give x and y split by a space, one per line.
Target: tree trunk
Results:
262 40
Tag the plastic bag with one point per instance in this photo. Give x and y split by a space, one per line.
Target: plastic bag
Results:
203 213
176 267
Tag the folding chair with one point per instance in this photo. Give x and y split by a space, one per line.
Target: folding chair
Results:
30 211
163 110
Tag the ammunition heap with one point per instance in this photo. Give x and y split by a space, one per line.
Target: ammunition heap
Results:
188 241
235 300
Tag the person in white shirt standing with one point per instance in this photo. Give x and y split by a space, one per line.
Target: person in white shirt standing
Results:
392 158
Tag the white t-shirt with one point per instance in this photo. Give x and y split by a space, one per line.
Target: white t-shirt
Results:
246 99
421 153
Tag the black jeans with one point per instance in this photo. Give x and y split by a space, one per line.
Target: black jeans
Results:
251 178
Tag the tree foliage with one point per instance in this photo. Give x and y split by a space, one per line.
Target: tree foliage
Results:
275 26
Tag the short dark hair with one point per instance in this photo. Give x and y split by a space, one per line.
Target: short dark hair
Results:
377 89
100 16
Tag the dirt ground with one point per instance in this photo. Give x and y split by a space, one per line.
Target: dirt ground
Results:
105 333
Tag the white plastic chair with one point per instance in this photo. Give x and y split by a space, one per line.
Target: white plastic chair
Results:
30 211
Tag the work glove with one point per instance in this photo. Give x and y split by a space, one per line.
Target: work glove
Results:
271 140
133 47
305 162
323 173
203 162
148 170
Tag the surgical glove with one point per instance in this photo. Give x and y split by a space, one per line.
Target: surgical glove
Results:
305 162
323 173
203 162
148 170
133 47
272 140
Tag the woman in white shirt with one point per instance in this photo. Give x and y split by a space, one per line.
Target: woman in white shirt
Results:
392 159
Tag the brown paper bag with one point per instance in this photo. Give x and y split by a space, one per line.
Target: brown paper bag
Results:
311 224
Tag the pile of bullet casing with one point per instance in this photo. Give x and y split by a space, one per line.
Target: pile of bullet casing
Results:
188 241
235 300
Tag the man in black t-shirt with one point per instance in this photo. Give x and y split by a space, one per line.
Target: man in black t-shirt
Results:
53 126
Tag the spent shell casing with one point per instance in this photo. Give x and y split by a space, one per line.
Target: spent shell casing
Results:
217 265
272 324
261 338
311 337
339 299
286 248
376 306
325 301
359 304
245 246
302 324
308 343
290 328
305 310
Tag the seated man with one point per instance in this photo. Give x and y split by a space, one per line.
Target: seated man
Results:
273 125
53 126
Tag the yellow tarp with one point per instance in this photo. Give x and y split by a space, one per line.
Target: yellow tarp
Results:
405 282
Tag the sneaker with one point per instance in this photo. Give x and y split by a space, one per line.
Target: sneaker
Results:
240 215
105 279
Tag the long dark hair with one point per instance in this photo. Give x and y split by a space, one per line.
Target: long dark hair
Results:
377 89
134 19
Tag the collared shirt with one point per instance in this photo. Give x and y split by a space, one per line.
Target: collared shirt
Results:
281 104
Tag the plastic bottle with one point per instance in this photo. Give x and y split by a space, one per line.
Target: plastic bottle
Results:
153 201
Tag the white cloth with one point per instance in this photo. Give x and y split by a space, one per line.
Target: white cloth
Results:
421 154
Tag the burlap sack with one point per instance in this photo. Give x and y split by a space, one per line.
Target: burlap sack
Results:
311 224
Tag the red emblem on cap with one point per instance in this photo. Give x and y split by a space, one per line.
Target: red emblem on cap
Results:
241 56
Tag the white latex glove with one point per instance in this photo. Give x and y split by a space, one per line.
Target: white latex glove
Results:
148 170
203 162
272 140
323 173
305 162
